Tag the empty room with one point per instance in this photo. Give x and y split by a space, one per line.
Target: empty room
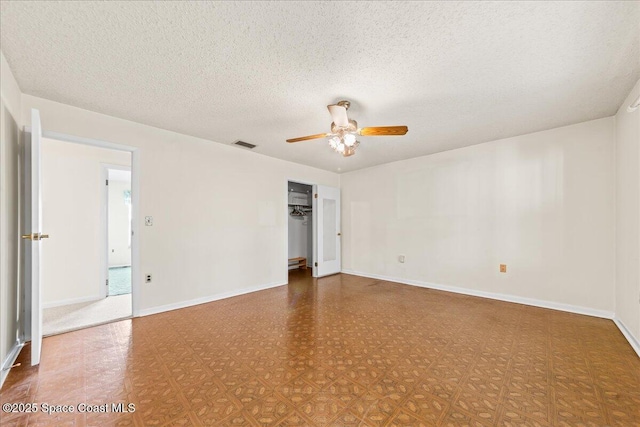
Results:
320 213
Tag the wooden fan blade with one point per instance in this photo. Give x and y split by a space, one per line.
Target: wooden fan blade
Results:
384 131
305 138
339 115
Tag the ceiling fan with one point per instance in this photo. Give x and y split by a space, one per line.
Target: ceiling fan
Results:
344 131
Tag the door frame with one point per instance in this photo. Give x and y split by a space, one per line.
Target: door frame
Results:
314 269
136 223
105 224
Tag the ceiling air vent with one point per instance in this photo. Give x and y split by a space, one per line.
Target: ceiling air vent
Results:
245 144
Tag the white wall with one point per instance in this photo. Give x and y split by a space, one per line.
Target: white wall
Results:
119 237
541 203
628 215
216 208
73 191
10 221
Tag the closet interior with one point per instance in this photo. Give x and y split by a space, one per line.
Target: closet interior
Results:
300 226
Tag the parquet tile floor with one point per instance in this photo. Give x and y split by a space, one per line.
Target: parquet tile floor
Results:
339 351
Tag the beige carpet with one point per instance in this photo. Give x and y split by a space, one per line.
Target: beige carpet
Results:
57 320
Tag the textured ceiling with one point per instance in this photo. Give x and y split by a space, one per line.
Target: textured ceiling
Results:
456 73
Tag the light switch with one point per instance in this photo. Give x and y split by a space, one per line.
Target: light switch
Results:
148 221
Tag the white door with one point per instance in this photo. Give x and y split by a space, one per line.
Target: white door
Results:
34 236
326 210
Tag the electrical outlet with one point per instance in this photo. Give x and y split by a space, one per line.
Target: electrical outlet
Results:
148 278
401 259
148 221
503 268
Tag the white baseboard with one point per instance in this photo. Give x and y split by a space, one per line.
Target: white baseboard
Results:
491 295
204 300
628 335
9 361
71 301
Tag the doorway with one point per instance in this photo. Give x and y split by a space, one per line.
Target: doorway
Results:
119 216
87 211
300 229
313 229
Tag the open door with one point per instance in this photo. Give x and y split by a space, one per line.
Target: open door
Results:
33 226
326 225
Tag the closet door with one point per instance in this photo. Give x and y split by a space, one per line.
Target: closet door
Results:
326 225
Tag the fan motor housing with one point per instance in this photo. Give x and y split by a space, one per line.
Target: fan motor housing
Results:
353 127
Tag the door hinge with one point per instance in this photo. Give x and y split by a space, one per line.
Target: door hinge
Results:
107 282
316 264
106 182
315 195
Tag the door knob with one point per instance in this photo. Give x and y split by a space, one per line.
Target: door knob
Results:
339 234
44 236
27 236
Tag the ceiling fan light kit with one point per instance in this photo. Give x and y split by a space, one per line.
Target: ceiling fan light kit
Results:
344 131
344 141
343 145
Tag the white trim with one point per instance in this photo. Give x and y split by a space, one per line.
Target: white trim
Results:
628 335
204 300
69 301
136 219
116 167
9 361
315 256
85 141
491 295
104 231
